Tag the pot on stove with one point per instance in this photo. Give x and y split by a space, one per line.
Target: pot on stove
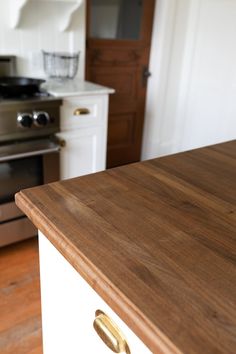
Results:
19 86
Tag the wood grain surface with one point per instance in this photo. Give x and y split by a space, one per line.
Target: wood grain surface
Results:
20 310
157 241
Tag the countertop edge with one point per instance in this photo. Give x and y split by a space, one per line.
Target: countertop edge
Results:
155 340
80 93
76 88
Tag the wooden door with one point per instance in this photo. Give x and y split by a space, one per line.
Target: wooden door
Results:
117 56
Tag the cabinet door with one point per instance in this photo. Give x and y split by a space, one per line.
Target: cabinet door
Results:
68 309
84 152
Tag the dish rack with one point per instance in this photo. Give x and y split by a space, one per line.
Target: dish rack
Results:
60 65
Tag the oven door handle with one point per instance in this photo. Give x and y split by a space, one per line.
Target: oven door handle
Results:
28 149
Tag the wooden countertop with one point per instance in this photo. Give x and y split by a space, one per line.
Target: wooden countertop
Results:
157 240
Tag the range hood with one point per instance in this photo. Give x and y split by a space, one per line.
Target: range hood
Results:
18 6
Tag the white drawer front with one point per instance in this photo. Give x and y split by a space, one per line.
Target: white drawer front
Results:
68 309
95 115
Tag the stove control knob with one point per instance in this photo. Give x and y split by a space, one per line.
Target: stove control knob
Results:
24 120
41 118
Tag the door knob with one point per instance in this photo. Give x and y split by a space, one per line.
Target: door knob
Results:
145 75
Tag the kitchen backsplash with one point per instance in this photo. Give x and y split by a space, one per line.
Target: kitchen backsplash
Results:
39 29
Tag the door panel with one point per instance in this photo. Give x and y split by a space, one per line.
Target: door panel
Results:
124 81
110 57
119 63
121 132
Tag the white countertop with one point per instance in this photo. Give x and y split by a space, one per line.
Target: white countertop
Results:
74 87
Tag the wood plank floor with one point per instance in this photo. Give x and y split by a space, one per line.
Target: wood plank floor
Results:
20 312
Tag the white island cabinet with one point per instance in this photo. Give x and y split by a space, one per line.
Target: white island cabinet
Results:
71 310
119 243
83 126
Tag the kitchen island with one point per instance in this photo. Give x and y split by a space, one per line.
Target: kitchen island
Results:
155 241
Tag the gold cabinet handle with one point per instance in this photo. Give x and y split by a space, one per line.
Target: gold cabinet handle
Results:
110 333
80 111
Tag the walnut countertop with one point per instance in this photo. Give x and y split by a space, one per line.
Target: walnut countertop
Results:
157 240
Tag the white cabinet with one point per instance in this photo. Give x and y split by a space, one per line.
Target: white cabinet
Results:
68 309
83 135
83 152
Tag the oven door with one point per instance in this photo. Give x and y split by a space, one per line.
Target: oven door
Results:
23 165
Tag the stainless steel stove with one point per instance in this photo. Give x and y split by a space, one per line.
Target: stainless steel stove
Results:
28 118
29 156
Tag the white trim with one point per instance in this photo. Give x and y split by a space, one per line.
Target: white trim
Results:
160 59
187 66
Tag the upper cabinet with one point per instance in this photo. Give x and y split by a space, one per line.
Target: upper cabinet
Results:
18 6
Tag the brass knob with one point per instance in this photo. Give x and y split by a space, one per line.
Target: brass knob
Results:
80 111
61 142
110 333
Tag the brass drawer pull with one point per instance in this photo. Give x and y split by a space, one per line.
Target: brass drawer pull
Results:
110 333
80 111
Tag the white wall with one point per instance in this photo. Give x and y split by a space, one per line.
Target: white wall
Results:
40 29
191 99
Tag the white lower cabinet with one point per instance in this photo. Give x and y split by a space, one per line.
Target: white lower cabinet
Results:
83 135
83 151
68 310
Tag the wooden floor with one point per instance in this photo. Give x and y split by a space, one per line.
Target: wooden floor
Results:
20 319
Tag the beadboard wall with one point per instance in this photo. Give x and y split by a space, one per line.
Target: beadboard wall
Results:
39 29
